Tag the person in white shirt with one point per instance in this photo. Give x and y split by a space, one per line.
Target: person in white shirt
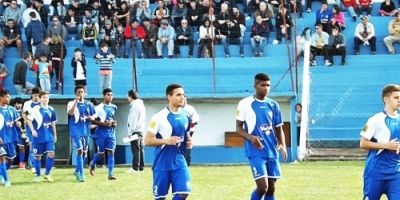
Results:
364 34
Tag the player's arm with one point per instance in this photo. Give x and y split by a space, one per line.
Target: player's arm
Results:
256 141
100 123
72 107
53 126
30 125
392 145
280 136
151 140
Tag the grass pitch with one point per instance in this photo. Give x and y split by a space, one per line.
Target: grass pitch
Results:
302 181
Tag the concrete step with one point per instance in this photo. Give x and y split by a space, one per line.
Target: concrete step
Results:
320 154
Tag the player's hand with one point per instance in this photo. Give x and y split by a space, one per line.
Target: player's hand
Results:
18 123
256 141
284 152
108 123
114 124
189 143
173 140
34 133
393 145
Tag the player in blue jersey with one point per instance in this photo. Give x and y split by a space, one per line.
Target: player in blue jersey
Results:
381 137
104 135
80 113
7 146
42 122
26 112
17 103
168 132
259 121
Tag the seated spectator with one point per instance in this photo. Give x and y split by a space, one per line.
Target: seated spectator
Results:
300 41
295 6
324 17
179 12
57 8
143 11
160 13
338 18
364 6
223 17
12 36
364 34
166 34
231 35
253 6
336 46
283 23
239 18
149 43
58 53
86 18
71 22
207 7
22 86
319 41
13 12
206 39
259 36
122 14
43 14
194 15
35 32
274 5
57 28
184 36
78 64
108 34
3 74
388 8
89 36
134 34
265 14
394 33
350 6
105 59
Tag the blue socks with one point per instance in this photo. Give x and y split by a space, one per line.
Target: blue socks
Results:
8 165
96 159
38 164
31 159
79 164
110 164
255 196
177 197
49 165
3 171
21 157
269 197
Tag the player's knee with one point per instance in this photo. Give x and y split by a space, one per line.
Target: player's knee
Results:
180 196
262 189
270 190
80 152
2 159
50 155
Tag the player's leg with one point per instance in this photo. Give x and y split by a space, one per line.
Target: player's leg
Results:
110 147
38 150
21 154
100 143
393 189
259 170
50 149
31 157
180 180
274 172
79 160
85 146
161 182
11 153
3 168
373 189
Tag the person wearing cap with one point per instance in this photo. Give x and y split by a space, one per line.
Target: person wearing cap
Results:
143 11
336 46
394 33
89 35
166 34
149 42
134 34
364 34
184 36
179 12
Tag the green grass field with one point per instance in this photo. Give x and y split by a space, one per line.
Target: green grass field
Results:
302 181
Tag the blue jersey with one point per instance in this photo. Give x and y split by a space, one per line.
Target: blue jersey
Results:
382 164
79 122
260 119
105 113
42 119
27 109
165 124
7 124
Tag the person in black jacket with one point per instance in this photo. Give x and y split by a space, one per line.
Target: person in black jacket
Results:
259 36
57 54
21 85
336 46
233 36
184 36
78 63
283 25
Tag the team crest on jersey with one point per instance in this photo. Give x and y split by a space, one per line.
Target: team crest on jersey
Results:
152 124
365 128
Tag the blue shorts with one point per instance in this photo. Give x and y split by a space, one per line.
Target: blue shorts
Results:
265 167
179 179
81 143
8 150
373 189
21 141
104 143
41 148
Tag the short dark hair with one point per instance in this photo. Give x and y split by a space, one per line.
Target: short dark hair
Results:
94 101
79 87
26 55
389 89
32 14
36 90
261 77
41 93
170 88
18 100
4 92
133 94
107 90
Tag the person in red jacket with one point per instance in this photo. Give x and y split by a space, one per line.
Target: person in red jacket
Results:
134 35
351 7
364 6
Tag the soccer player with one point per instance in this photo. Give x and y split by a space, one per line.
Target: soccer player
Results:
26 112
194 119
80 113
42 122
20 132
381 137
7 147
105 133
168 132
259 121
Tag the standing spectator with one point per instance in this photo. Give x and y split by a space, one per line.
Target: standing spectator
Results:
136 126
336 46
160 13
108 35
184 36
388 8
22 86
338 18
78 64
194 15
179 12
58 53
364 34
71 22
323 17
300 41
350 6
89 36
239 18
265 14
298 108
26 18
394 33
35 32
12 36
149 43
283 24
259 36
43 67
206 38
57 28
12 12
166 34
43 48
134 35
319 40
3 74
42 12
143 11
194 119
105 59
364 6
295 6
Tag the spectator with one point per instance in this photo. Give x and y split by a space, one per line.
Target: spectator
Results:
26 18
43 67
108 35
57 8
143 11
57 28
265 14
43 48
88 17
206 38
194 15
179 12
300 41
308 5
119 41
350 6
253 6
207 8
365 34
160 13
12 36
394 33
71 22
295 6
122 14
259 36
166 34
78 64
58 53
232 36
388 8
22 86
324 17
338 18
105 59
283 23
89 36
3 74
336 46
134 34
298 108
42 12
223 17
35 32
239 18
319 40
12 12
274 5
184 36
364 6
149 43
